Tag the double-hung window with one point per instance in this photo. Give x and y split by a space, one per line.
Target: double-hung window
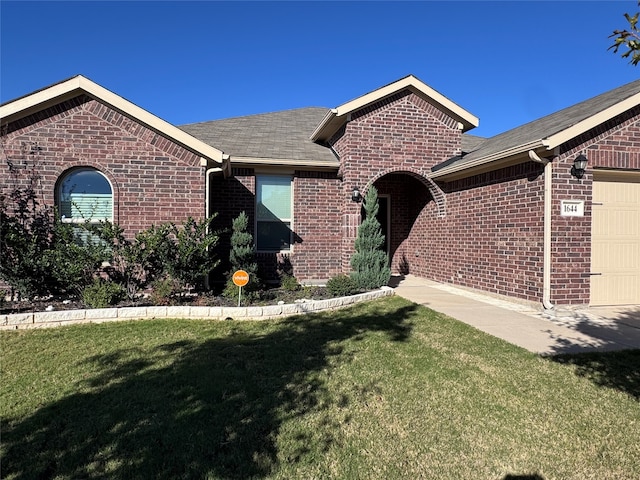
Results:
273 212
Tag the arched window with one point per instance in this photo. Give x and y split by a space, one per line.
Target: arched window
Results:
85 194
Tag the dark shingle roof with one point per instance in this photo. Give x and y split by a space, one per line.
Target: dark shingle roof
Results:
278 135
471 142
546 126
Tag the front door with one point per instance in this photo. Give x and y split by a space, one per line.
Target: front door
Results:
384 219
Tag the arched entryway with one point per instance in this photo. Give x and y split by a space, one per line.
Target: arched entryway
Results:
407 203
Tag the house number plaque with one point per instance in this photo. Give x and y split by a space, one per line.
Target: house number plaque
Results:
572 208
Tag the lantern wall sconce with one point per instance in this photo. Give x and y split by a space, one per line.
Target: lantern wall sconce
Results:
356 196
579 166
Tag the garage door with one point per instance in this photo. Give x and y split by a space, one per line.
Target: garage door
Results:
615 239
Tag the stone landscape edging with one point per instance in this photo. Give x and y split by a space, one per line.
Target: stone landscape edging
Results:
58 318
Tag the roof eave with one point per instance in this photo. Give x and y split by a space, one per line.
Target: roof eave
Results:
337 117
263 161
325 124
68 89
593 121
490 162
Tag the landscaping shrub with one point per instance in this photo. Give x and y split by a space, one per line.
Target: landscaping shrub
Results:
289 283
40 254
132 264
341 286
102 293
163 290
370 262
183 252
242 257
191 254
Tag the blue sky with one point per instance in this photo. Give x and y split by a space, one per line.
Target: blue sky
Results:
507 62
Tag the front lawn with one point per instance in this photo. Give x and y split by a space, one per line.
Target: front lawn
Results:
383 390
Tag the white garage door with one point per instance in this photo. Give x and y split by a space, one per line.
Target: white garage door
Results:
615 239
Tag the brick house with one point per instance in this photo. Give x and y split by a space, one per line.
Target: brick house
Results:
510 215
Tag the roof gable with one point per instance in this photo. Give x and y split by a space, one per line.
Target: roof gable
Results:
72 87
546 133
337 117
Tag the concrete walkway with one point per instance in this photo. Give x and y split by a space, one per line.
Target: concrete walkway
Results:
546 332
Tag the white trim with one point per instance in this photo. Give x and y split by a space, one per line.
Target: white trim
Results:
284 162
336 117
416 86
593 121
504 154
70 88
291 211
58 195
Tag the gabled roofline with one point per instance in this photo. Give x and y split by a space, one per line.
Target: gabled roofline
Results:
587 124
339 116
28 104
542 146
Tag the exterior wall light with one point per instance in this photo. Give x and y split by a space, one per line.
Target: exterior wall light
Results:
356 196
579 166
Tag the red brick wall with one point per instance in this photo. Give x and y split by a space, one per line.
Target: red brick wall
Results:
153 179
400 133
318 198
485 231
316 222
613 145
491 237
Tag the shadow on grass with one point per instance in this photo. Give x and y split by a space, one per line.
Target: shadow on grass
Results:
600 331
613 360
199 408
617 370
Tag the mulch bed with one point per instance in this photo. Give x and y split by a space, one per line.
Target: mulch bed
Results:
267 297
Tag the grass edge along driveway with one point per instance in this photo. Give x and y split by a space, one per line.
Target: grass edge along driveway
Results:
386 389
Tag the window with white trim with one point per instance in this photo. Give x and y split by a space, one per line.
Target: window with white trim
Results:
273 212
85 195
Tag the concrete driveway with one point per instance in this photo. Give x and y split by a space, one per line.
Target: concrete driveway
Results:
546 332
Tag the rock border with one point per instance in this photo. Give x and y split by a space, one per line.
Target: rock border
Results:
60 318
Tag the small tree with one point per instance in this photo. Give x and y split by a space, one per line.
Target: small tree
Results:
242 255
370 262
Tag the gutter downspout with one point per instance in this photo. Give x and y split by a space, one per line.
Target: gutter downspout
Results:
207 205
225 169
207 174
546 266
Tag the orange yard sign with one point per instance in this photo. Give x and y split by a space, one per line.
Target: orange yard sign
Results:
240 278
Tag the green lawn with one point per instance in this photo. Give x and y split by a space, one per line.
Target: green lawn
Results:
384 390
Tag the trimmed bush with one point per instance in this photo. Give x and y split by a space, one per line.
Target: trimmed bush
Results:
102 293
370 262
342 286
289 283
